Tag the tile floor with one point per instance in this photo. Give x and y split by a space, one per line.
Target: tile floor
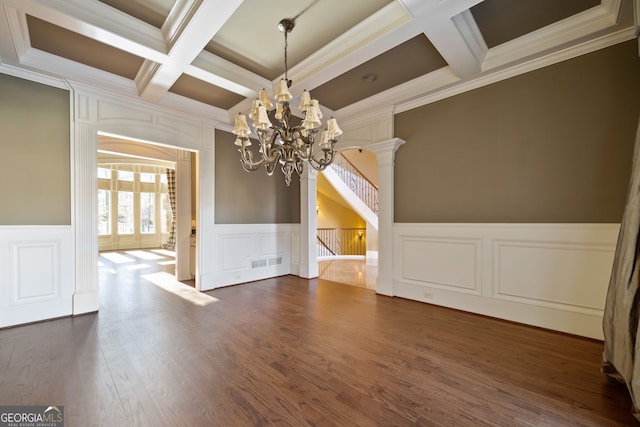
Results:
355 272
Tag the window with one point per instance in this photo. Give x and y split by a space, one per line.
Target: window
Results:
147 212
147 177
125 175
165 212
125 212
133 205
104 173
104 212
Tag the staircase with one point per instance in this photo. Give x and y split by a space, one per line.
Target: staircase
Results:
360 193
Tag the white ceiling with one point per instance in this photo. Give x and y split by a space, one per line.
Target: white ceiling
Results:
210 57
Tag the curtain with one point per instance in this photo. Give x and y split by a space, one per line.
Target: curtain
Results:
621 359
171 187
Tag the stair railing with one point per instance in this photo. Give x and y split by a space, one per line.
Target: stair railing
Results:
356 181
323 248
342 241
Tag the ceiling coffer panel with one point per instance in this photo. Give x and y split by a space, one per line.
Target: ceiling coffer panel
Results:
405 62
67 44
503 20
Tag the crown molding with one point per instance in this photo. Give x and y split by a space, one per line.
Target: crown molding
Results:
434 81
598 18
34 76
515 70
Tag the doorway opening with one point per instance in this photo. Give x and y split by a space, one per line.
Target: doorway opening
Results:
147 202
347 219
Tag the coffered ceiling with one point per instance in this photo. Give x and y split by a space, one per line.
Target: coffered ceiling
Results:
211 57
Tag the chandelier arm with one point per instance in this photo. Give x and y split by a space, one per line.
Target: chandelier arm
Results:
246 158
327 158
271 151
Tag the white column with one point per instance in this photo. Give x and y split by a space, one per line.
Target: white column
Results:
207 259
385 152
85 212
308 223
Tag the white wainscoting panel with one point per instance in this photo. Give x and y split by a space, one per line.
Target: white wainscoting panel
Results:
426 260
36 273
249 252
548 275
35 281
553 274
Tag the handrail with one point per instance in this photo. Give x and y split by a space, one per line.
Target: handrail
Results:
356 181
358 170
344 241
324 245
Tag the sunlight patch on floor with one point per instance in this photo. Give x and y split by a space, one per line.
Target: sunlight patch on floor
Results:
169 283
164 252
146 255
137 266
116 257
172 262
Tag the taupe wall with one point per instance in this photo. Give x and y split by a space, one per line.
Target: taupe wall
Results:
552 145
34 149
251 197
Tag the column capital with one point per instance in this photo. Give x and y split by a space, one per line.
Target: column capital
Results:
385 150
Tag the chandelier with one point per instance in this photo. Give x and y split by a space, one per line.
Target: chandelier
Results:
284 143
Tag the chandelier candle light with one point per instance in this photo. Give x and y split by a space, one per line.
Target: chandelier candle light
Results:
283 143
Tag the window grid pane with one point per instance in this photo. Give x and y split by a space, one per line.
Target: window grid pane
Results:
125 212
147 177
104 212
165 213
125 176
104 173
147 212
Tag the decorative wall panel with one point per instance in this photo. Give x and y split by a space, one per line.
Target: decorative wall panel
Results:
549 275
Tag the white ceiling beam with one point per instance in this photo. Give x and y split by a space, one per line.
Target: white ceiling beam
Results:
14 35
227 75
447 38
189 27
100 22
470 32
451 29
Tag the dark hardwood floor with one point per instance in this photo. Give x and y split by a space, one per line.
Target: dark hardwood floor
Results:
295 352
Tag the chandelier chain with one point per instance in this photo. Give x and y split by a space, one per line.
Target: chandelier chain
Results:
286 66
